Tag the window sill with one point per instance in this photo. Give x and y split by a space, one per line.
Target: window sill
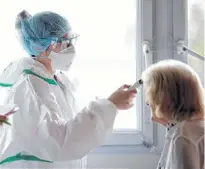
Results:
134 149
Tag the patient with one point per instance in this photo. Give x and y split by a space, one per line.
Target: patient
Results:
175 94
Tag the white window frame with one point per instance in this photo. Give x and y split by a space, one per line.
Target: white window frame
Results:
180 27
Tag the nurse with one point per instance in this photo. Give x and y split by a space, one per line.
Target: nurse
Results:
48 131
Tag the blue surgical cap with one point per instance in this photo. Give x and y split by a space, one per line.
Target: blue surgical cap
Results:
37 32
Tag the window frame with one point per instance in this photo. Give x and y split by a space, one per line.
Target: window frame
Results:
180 27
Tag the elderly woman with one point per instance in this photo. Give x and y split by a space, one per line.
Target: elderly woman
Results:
176 98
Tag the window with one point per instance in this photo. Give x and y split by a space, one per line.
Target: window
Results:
106 57
196 34
108 51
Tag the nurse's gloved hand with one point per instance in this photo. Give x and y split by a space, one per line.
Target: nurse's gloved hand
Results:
123 98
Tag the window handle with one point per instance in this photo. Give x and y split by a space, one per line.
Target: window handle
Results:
182 50
147 51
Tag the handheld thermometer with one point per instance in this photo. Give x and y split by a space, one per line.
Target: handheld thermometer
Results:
136 85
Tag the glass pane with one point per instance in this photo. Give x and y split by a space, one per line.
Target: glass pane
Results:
196 34
105 51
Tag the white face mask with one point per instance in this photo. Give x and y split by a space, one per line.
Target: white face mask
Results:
63 59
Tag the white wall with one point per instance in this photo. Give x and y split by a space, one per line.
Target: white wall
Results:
123 161
128 160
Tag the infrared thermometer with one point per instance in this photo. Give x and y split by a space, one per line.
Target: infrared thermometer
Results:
136 85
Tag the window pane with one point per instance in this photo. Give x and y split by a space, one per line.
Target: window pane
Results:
196 34
105 51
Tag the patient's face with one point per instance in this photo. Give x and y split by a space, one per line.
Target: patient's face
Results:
154 115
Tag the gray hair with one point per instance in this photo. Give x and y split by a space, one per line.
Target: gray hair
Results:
174 89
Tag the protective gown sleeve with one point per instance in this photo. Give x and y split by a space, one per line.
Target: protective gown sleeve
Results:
185 154
49 136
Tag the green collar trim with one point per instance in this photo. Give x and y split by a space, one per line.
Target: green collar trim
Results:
18 157
49 81
28 71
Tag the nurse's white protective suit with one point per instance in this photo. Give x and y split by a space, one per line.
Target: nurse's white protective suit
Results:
48 131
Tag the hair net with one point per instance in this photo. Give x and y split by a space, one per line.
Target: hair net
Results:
37 32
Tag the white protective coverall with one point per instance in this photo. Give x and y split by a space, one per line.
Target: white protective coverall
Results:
48 131
184 146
